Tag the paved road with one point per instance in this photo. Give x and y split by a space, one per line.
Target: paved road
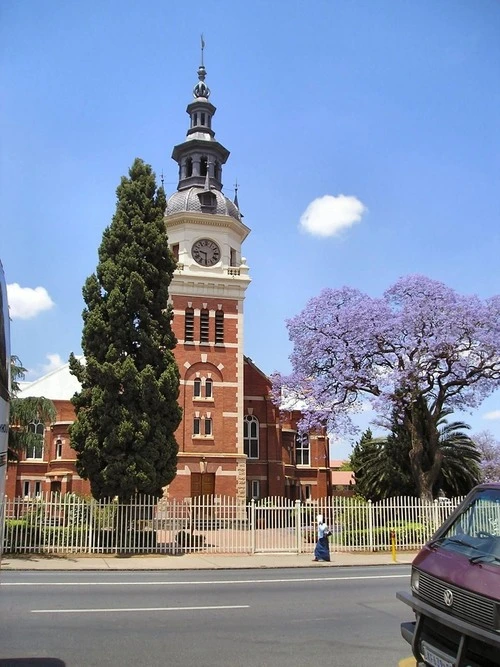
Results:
347 617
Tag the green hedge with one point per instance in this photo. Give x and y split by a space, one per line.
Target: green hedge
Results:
19 536
405 533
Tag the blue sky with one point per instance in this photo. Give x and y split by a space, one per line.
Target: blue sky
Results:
375 122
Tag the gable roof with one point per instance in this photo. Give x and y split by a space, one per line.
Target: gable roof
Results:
58 385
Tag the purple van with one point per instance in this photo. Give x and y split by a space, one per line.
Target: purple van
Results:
455 588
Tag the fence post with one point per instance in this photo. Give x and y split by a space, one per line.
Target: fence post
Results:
437 521
252 526
298 526
370 525
3 514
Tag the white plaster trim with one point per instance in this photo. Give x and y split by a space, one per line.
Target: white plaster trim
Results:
32 478
228 316
193 343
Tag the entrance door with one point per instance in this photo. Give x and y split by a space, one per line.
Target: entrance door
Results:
55 487
202 497
202 484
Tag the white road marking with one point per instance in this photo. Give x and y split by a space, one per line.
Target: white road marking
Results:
198 583
112 609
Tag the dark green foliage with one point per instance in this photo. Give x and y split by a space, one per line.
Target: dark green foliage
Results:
383 465
380 468
127 411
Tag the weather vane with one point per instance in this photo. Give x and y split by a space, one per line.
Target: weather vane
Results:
202 47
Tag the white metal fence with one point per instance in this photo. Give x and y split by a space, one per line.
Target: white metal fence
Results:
70 524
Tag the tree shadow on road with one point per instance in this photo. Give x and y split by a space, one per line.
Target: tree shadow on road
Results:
31 662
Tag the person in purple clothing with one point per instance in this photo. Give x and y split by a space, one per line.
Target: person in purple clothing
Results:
322 550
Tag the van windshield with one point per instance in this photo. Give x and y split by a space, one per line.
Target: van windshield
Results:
476 530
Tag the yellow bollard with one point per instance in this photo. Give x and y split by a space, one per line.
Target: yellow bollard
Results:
393 545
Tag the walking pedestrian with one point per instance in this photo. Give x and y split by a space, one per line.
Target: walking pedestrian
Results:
322 550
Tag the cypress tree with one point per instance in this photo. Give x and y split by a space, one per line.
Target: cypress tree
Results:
127 410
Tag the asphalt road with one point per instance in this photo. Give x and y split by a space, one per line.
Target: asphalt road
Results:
347 617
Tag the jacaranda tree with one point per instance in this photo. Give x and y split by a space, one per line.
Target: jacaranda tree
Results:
127 410
421 340
489 449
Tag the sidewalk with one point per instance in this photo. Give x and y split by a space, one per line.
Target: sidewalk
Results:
198 561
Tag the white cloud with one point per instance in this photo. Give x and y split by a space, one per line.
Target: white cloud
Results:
27 302
54 362
494 414
329 215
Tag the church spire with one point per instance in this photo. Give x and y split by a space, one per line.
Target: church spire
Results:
200 157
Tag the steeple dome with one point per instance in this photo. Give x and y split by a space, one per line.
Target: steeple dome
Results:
201 89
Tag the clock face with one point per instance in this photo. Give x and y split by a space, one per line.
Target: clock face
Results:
206 252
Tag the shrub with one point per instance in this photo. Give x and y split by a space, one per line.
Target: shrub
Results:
18 535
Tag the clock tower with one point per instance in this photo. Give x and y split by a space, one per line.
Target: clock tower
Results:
205 232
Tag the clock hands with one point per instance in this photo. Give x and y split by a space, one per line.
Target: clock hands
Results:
206 252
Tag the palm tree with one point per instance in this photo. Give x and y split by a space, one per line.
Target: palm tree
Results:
460 470
383 468
26 414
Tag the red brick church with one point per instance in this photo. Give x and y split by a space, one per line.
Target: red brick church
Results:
232 440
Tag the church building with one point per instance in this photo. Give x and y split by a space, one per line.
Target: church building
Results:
233 441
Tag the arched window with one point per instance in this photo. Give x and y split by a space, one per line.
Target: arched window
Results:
251 436
219 326
34 448
197 388
204 326
302 449
189 325
189 167
203 166
217 170
208 388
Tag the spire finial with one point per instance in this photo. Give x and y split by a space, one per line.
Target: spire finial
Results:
236 194
207 178
201 89
162 180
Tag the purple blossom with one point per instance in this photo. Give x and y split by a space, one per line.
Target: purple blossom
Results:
421 337
490 456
